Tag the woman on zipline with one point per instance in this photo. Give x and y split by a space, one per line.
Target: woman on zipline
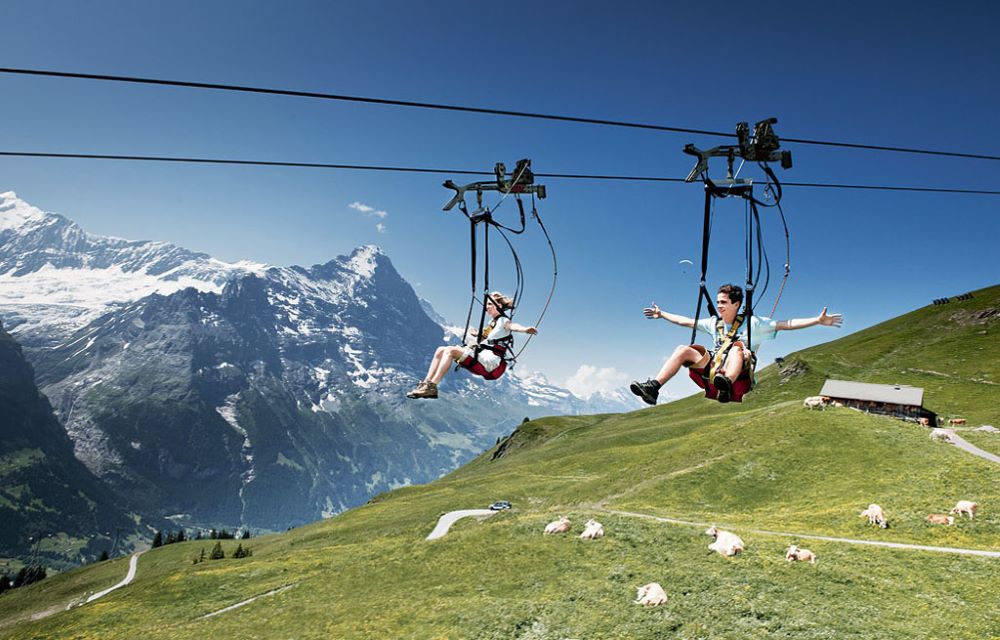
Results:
726 377
482 355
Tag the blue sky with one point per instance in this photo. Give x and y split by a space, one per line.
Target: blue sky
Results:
914 74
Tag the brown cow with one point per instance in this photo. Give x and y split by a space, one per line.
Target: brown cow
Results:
956 421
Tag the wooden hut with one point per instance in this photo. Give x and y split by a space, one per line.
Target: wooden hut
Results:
898 400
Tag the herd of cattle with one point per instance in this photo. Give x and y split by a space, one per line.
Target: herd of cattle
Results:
876 516
729 544
726 543
822 402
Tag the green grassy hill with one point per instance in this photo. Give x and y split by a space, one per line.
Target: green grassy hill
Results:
768 465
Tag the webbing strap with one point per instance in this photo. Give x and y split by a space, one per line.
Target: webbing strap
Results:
706 235
726 343
486 281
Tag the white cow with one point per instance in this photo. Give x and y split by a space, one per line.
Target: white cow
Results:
592 530
813 402
875 516
558 526
801 555
650 595
726 543
965 506
941 434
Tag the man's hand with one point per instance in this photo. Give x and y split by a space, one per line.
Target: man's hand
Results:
831 320
653 312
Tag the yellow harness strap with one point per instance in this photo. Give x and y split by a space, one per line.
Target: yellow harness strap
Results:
726 344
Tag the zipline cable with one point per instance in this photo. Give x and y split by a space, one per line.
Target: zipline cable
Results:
359 167
467 109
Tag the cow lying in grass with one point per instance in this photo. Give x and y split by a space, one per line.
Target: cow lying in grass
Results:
938 518
965 506
795 554
558 526
592 530
875 516
650 595
726 543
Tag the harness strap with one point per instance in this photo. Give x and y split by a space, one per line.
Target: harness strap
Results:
702 290
725 343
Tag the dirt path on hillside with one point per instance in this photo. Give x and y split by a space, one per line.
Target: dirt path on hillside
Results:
272 592
133 564
448 519
965 445
783 534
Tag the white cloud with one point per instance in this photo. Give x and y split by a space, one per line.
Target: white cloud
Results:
368 210
589 379
380 227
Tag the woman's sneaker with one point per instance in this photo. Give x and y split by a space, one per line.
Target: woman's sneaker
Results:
648 390
425 389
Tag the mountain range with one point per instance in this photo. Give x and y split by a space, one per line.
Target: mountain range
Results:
243 394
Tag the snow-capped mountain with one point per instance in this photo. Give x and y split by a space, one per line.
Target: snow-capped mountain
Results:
55 278
257 395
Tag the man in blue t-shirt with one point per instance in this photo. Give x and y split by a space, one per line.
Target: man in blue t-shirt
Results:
732 378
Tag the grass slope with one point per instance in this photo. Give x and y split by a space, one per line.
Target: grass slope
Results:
768 464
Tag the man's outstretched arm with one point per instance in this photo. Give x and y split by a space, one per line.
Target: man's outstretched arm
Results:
825 319
655 313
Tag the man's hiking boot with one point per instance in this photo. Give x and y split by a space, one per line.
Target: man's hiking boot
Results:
724 386
648 390
425 389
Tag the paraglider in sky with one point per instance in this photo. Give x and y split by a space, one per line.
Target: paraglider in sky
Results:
684 265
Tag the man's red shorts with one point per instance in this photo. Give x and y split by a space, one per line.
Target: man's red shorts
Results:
741 385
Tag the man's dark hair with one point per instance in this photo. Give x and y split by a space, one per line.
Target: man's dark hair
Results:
734 292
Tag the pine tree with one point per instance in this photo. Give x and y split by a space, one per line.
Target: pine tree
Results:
213 535
246 534
239 552
158 539
217 552
181 536
171 538
5 583
104 556
28 575
198 537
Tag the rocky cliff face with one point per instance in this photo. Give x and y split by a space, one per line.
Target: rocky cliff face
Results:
262 396
51 506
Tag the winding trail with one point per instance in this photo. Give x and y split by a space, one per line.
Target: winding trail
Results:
133 563
448 519
445 522
272 592
965 445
